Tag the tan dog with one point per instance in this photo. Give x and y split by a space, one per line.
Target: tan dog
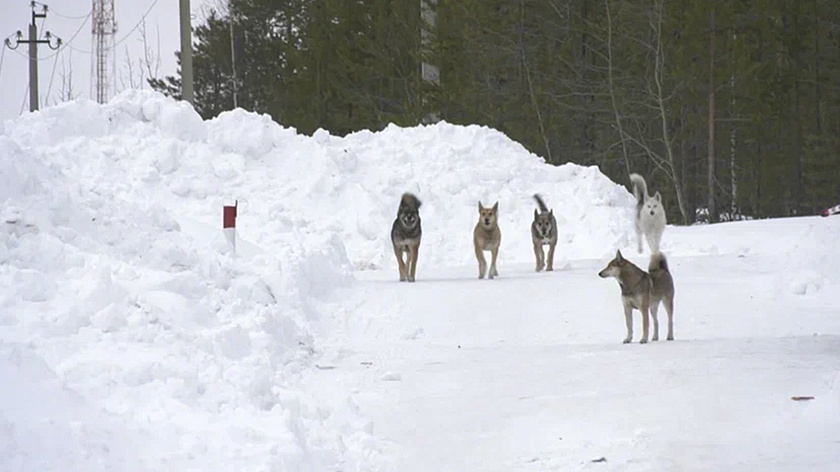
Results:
487 237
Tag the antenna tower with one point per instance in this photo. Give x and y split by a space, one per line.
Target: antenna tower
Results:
103 31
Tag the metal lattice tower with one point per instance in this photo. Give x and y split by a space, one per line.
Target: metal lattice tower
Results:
104 27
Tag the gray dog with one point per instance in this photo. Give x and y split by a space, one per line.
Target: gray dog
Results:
405 235
544 232
643 292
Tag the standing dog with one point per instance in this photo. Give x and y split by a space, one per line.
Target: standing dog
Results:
643 292
662 291
544 232
405 235
487 237
650 215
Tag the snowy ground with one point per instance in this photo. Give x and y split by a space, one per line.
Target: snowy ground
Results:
132 339
527 372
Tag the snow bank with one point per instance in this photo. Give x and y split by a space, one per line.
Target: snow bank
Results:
350 187
136 317
117 278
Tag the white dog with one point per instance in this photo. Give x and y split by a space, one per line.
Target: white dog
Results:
650 214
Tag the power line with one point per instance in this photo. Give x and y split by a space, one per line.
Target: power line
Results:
23 105
2 55
52 75
142 19
67 17
67 44
87 17
83 51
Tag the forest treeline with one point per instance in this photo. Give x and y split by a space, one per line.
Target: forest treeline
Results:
730 108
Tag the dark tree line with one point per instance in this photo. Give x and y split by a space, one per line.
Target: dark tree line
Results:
729 106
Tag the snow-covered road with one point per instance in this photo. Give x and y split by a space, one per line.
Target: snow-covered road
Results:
527 372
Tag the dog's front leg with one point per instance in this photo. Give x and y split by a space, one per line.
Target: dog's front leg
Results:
403 271
628 320
538 254
669 308
412 260
551 256
482 263
639 238
653 242
645 319
494 253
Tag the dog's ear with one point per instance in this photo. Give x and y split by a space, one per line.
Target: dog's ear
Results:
658 197
618 256
535 213
551 212
480 206
496 207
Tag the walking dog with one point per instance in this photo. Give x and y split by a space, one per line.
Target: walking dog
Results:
405 235
650 215
487 237
544 233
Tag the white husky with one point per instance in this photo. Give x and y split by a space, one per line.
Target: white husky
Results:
650 214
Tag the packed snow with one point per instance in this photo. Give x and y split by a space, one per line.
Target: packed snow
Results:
132 336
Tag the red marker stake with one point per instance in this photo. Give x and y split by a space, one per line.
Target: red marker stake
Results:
229 224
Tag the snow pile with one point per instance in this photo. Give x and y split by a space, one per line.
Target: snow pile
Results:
132 316
118 280
350 187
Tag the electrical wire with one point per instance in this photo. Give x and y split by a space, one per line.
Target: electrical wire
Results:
83 51
67 44
142 19
25 93
51 10
52 76
2 55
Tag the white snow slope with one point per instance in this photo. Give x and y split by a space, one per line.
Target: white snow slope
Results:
132 338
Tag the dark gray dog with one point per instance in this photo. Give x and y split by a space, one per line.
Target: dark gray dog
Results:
405 235
544 232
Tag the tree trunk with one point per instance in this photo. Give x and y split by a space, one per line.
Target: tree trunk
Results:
612 88
713 217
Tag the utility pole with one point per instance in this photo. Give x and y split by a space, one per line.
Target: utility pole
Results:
33 43
713 216
186 52
232 55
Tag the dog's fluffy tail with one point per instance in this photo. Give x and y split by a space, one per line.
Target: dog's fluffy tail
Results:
639 188
540 203
658 262
409 200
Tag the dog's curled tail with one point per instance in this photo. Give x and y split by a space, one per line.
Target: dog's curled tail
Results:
409 200
658 262
540 203
639 188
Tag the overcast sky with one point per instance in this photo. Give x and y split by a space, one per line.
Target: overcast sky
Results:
67 17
